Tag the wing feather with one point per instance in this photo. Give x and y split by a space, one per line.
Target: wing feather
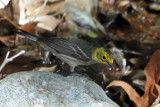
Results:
77 48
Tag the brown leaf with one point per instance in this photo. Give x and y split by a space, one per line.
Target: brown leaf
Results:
38 10
11 12
134 96
8 40
48 22
47 69
30 27
152 73
152 89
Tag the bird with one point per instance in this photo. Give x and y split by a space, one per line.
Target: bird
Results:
73 51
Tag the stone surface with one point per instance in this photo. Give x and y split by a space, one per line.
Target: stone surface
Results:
47 89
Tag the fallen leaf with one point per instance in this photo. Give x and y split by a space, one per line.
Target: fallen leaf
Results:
31 10
30 27
47 22
47 69
134 96
8 40
152 73
11 12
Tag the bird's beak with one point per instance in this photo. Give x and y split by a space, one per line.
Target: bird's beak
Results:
112 66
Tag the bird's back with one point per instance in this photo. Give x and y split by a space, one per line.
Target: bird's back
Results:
77 48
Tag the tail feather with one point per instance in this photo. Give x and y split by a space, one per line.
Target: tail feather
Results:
27 34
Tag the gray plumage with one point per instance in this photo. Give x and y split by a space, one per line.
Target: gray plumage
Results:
77 48
72 51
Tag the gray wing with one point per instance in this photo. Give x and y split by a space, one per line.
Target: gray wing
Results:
77 48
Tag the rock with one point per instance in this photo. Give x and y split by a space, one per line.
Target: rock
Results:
47 89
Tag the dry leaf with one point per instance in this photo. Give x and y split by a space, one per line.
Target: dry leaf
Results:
29 27
47 22
39 13
152 89
30 11
47 69
152 73
134 96
11 12
8 40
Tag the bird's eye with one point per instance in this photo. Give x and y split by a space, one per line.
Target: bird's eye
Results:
104 57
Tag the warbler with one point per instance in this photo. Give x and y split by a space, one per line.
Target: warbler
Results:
73 51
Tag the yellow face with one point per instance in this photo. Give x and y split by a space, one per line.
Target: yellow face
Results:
102 56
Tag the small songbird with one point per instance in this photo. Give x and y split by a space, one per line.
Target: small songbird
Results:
73 51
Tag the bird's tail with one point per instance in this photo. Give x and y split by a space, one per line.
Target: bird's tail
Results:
27 34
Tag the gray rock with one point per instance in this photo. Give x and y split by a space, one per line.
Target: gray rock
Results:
46 89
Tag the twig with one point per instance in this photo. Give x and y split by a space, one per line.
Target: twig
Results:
6 60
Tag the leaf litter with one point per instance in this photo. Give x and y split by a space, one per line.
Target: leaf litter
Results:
123 22
152 88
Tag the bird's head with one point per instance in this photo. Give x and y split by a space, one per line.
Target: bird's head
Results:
104 56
